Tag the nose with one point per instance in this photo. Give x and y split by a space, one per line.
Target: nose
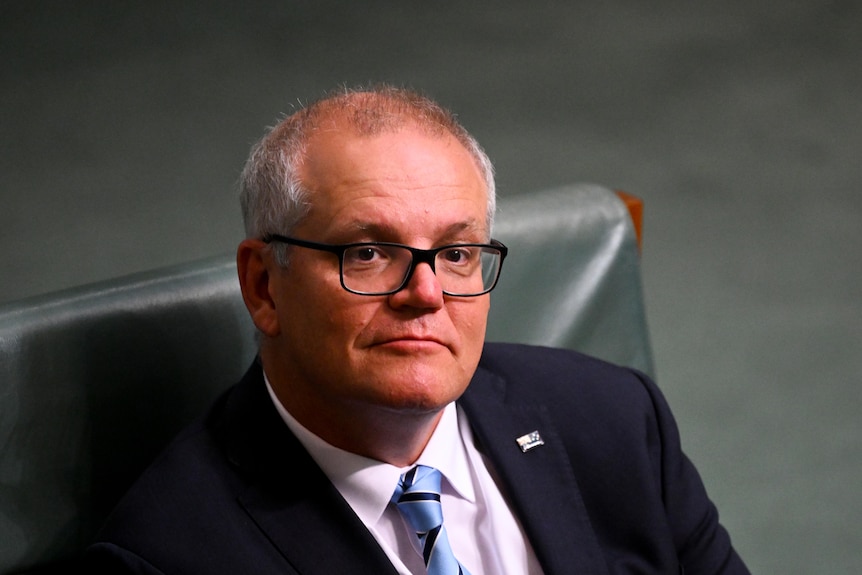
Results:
423 290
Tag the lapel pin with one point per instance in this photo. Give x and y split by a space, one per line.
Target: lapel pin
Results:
529 441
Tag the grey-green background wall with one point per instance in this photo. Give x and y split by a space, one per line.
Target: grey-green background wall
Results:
124 126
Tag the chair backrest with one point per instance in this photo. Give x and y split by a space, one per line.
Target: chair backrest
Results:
95 380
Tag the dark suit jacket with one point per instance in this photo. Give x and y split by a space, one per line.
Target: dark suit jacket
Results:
609 491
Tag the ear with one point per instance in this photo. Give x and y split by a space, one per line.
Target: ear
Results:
254 266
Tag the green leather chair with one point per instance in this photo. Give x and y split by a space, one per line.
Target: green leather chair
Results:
95 380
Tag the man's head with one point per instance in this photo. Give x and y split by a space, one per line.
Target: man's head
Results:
379 166
272 194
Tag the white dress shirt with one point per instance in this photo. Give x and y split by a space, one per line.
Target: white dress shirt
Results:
483 531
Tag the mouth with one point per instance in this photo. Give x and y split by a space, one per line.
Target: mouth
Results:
412 343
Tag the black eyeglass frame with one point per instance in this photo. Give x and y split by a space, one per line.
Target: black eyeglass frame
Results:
418 256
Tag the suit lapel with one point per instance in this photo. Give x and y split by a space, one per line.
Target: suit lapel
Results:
540 483
288 496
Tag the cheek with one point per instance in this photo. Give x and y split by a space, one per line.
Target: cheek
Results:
471 321
315 306
320 341
338 324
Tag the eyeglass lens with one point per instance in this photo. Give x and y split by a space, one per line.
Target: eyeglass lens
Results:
461 270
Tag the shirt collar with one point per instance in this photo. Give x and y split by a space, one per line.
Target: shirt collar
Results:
446 452
367 484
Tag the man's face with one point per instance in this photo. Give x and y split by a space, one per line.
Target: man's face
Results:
413 351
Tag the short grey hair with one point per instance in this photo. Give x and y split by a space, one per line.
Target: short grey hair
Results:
272 195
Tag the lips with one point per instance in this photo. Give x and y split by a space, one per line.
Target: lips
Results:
429 339
409 340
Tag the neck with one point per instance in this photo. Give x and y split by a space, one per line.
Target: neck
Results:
397 437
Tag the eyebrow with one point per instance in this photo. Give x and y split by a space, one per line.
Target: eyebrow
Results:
375 229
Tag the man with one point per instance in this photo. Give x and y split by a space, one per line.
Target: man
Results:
366 269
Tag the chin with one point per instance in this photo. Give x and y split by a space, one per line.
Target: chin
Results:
411 384
419 397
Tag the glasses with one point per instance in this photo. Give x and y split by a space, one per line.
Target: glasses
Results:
383 268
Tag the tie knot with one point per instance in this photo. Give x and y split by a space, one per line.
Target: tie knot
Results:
418 498
420 479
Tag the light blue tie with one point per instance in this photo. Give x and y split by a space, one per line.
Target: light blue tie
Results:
418 499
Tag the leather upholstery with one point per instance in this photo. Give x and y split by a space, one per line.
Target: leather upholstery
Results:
95 380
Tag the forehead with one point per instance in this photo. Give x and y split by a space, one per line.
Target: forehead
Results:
406 177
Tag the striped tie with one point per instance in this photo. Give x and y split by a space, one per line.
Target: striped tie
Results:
418 499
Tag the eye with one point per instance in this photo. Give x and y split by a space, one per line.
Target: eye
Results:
457 255
363 254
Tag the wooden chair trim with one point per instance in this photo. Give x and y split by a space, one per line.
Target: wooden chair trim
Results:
635 206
